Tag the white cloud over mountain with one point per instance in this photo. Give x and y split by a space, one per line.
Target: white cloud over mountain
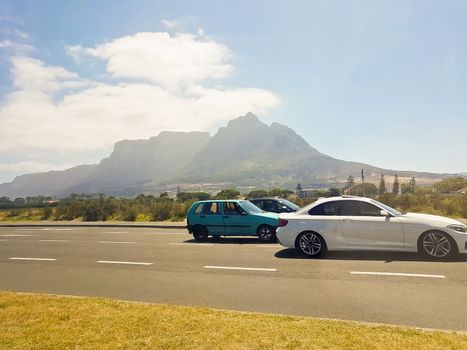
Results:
152 82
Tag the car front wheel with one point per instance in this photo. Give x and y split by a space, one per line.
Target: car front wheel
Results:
311 244
437 245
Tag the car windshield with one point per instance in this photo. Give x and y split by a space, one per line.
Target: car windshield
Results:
387 208
289 204
250 207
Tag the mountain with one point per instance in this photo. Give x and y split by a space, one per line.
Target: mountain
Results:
246 152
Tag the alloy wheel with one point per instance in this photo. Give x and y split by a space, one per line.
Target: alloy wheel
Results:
436 244
310 244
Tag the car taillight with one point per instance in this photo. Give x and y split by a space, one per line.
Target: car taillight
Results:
283 222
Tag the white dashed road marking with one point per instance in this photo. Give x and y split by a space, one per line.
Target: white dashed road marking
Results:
32 259
114 232
239 268
55 240
400 274
193 244
124 262
16 235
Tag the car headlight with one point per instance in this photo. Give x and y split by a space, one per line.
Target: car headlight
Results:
458 228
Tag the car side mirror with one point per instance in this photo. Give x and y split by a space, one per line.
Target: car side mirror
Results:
384 213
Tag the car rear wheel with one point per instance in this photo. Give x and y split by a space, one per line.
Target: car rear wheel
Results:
200 233
311 244
266 233
437 245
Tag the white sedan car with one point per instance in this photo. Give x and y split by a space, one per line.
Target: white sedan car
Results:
358 223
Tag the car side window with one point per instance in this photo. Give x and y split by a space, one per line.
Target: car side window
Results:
231 208
348 208
367 209
259 204
212 208
270 206
328 208
199 208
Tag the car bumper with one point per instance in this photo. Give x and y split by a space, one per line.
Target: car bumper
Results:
189 228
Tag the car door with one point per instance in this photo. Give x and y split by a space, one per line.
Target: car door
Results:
364 227
211 217
236 220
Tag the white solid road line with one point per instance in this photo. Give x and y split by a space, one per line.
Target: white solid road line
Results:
193 244
116 242
124 262
396 274
55 240
65 229
268 245
239 268
32 259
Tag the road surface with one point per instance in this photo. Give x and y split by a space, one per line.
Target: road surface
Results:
167 266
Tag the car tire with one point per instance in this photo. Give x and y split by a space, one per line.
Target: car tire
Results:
437 245
266 233
311 244
200 233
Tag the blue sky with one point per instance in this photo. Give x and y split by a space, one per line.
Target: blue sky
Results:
381 82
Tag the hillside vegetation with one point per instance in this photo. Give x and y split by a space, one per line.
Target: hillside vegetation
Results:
441 199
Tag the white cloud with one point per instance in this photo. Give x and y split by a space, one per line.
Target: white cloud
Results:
8 44
32 74
170 24
162 59
159 84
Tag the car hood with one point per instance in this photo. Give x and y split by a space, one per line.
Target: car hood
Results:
268 215
431 218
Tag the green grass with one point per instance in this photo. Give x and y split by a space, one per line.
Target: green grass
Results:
29 321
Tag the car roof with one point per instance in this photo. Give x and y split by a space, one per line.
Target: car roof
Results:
221 200
332 199
266 199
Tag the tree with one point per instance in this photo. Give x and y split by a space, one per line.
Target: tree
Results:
370 189
334 192
228 193
451 184
164 194
349 183
279 192
412 182
395 185
258 194
382 185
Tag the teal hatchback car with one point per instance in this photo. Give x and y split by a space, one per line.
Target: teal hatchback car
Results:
231 218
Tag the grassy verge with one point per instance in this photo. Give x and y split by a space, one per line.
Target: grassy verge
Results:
50 322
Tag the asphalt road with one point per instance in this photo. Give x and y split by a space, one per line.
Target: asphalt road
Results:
167 266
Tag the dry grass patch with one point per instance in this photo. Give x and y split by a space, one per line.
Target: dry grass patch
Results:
51 322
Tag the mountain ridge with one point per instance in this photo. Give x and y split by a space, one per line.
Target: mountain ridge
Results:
246 152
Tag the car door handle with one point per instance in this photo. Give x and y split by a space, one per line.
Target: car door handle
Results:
202 216
225 216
